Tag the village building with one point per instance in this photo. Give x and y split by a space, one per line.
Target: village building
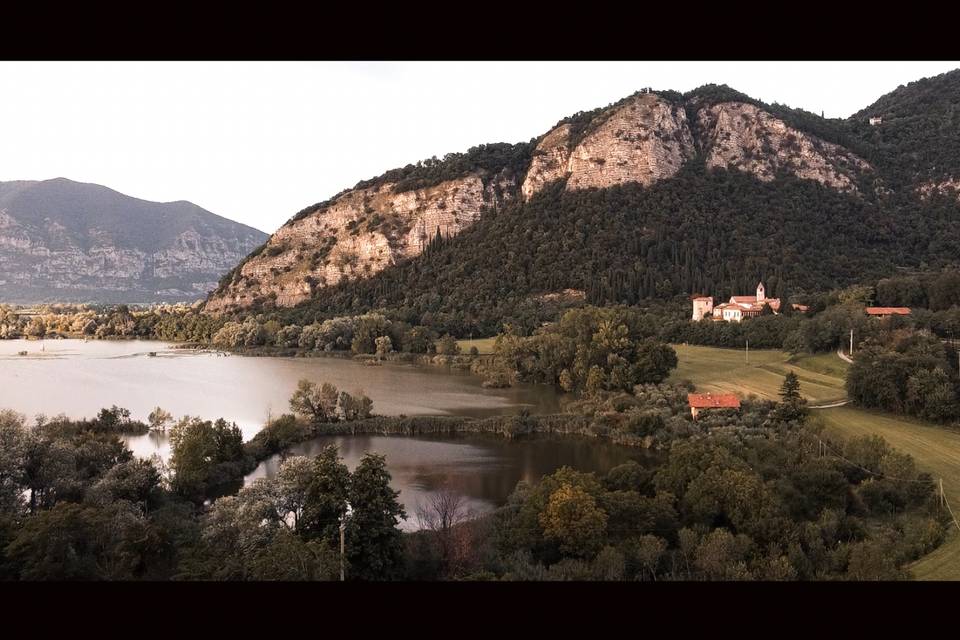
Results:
702 306
737 308
875 121
886 312
702 401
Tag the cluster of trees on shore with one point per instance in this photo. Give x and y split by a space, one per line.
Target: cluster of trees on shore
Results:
178 323
725 508
589 349
737 496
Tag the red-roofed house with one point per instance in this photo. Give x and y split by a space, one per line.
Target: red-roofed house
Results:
700 401
884 312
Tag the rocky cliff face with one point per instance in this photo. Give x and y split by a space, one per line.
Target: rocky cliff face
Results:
361 233
648 139
735 135
67 241
949 187
645 139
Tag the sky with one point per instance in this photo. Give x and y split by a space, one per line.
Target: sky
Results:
258 141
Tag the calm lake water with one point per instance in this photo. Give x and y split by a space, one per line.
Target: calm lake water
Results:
79 378
483 469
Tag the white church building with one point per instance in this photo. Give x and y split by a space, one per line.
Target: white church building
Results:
735 309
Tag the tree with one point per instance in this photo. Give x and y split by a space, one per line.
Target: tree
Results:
649 550
36 328
134 481
315 402
200 453
447 346
792 405
325 497
442 518
574 519
159 419
290 490
14 440
383 346
790 389
80 542
355 407
373 540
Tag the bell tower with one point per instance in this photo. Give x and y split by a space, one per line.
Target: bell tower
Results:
761 292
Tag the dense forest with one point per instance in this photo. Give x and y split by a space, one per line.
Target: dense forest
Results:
714 232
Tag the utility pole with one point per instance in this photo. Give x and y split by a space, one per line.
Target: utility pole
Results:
748 352
851 343
343 526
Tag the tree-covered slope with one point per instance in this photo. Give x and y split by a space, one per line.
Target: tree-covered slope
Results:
658 194
919 138
714 232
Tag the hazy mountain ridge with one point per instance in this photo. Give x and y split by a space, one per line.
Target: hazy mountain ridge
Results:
62 240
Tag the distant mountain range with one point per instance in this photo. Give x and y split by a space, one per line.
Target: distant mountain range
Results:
66 241
656 195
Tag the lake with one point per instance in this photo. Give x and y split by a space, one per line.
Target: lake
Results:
483 469
79 378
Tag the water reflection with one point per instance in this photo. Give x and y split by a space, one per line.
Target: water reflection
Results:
78 378
483 469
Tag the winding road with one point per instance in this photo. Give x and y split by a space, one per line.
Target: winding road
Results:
845 358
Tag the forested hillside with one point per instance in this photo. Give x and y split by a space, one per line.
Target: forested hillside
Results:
657 195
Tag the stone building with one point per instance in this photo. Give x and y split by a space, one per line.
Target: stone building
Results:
737 308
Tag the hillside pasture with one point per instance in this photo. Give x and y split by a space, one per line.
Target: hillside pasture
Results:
717 370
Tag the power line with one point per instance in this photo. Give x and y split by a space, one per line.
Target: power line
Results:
873 473
943 496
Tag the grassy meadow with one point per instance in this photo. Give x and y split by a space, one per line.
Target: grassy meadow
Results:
483 345
935 448
728 371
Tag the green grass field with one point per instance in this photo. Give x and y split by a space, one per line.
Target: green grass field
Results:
727 371
935 448
483 345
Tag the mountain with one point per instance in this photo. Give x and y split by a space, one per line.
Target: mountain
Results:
69 241
656 195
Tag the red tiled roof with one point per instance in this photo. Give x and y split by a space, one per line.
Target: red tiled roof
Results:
888 311
710 401
745 299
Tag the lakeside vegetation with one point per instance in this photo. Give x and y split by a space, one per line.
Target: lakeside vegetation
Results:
736 496
746 494
624 384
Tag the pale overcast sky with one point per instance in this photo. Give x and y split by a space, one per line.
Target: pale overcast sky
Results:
257 142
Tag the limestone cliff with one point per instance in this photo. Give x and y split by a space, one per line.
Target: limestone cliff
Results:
67 241
949 187
736 135
359 234
644 140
